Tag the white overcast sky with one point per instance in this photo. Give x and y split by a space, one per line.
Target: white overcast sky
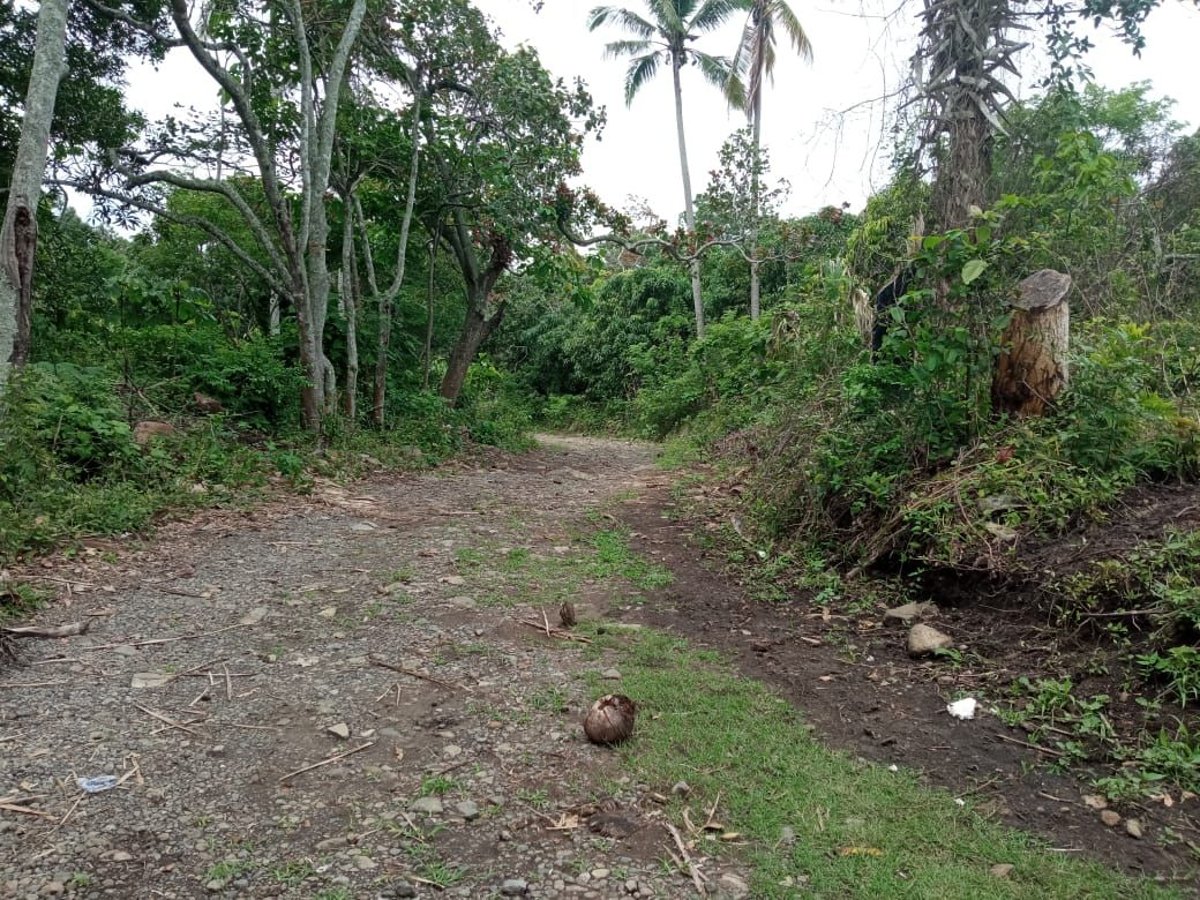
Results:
858 55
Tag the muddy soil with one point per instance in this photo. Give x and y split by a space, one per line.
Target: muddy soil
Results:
853 679
316 699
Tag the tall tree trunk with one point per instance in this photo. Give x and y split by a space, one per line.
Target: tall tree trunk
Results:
350 311
18 235
427 356
755 188
476 329
386 300
689 207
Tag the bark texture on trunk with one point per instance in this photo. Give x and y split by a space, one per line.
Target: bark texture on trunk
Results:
18 235
476 329
755 190
688 206
350 311
1032 369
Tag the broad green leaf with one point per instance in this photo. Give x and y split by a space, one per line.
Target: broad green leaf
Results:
973 270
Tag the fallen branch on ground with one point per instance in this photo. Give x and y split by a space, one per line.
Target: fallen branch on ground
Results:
326 762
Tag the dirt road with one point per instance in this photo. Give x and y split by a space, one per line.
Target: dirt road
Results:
332 697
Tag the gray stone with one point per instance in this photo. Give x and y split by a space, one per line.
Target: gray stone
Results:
787 836
909 613
514 887
681 789
468 809
150 680
340 730
256 615
732 887
401 889
126 650
364 863
611 674
1133 828
429 805
924 641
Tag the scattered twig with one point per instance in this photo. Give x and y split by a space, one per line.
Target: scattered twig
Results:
25 810
325 762
228 683
47 631
697 879
556 632
167 721
979 787
395 668
712 812
1019 743
70 812
247 727
546 622
170 640
31 684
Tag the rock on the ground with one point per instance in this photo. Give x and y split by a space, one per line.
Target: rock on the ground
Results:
909 613
1001 870
514 887
468 809
429 805
145 432
1110 817
340 730
1133 828
924 641
732 887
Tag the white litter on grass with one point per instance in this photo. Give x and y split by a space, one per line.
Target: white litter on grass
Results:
893 768
962 709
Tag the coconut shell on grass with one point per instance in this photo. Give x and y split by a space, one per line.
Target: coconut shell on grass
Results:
610 720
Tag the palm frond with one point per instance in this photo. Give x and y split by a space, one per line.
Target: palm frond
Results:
618 49
640 71
715 69
781 12
671 15
627 19
713 14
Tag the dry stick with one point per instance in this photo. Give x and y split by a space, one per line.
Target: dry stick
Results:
170 640
1045 750
326 762
167 721
30 684
25 810
547 622
228 684
697 880
70 812
554 632
387 665
712 812
195 669
46 631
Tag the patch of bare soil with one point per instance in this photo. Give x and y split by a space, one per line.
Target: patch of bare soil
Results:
853 678
318 699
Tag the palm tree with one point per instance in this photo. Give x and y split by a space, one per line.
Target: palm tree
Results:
665 38
754 60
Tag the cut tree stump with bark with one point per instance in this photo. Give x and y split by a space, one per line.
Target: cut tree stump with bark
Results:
1032 369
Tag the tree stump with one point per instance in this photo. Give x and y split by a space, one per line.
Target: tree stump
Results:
1032 368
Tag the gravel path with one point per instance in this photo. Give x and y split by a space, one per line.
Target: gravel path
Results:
344 633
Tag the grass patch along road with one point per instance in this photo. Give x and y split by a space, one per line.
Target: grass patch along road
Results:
814 822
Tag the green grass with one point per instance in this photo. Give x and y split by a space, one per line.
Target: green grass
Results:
861 830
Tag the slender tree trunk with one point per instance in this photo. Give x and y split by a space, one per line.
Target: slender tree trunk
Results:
689 208
386 301
18 235
350 404
755 188
476 329
427 357
274 315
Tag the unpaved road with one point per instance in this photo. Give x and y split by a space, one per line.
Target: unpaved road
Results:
223 652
